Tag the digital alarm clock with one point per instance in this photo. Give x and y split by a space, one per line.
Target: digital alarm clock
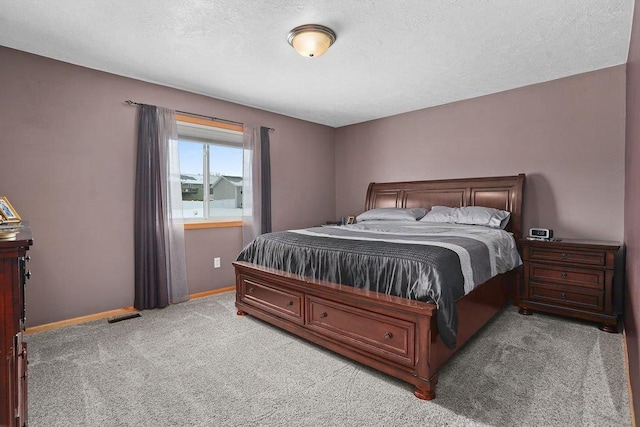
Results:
541 233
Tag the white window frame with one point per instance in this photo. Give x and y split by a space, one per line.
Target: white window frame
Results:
209 132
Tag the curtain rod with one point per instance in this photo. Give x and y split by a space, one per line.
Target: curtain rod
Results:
130 102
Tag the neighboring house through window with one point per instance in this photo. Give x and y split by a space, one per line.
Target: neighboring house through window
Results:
210 158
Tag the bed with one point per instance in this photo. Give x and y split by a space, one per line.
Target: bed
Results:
402 337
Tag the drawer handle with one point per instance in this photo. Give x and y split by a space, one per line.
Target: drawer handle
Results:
250 291
388 336
27 274
564 275
323 314
563 295
290 303
563 255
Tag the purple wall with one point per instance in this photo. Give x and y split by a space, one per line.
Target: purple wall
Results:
67 159
632 210
566 135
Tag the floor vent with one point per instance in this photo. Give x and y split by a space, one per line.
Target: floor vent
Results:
125 317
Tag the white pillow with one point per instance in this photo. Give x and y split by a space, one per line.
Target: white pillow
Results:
479 215
470 215
440 214
392 214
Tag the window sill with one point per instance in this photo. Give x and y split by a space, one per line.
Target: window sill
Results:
211 224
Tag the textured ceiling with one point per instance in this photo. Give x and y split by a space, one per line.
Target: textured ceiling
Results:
390 56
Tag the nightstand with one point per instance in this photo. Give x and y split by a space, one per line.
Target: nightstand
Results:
572 278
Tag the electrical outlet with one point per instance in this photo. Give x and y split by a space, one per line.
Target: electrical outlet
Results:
216 262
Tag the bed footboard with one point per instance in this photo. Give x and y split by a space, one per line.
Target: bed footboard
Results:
387 333
391 334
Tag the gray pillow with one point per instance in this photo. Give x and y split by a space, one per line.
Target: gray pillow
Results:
470 215
392 214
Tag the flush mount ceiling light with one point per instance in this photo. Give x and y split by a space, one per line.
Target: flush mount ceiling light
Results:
311 40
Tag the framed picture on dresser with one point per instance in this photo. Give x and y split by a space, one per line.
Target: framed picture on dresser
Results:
7 212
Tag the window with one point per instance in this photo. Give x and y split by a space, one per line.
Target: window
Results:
210 169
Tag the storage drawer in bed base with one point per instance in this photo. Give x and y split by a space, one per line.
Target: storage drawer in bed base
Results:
390 338
279 302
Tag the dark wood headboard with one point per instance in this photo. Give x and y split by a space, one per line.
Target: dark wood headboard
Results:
502 192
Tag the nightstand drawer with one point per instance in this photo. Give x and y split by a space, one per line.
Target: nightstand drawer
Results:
567 276
570 296
593 258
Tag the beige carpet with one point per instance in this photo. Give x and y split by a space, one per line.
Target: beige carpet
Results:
198 364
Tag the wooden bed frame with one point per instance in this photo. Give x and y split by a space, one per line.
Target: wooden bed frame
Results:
391 334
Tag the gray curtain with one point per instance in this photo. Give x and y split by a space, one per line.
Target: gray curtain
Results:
265 162
256 184
160 267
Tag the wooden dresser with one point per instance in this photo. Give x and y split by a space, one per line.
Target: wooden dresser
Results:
13 370
572 278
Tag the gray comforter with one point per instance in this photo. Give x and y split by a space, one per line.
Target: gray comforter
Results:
423 261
